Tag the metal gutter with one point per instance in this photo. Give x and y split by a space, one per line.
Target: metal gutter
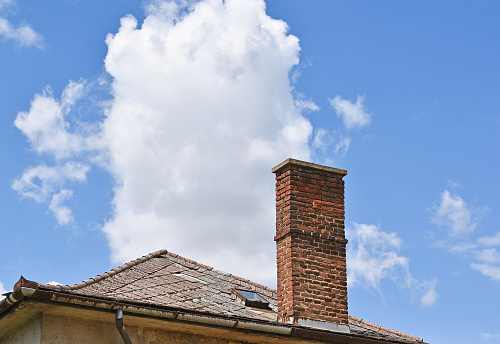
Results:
28 289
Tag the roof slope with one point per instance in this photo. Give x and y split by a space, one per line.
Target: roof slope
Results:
165 279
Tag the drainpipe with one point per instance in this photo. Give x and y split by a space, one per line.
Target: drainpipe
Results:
120 327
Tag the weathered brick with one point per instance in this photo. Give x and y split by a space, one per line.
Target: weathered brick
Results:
310 239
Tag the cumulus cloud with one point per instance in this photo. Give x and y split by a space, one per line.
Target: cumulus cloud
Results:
24 34
354 115
373 255
454 214
202 108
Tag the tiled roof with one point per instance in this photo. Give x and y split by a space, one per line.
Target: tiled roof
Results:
169 280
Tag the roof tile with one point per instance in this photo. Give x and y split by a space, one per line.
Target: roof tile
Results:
152 280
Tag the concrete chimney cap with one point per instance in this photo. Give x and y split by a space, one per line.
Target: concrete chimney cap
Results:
296 162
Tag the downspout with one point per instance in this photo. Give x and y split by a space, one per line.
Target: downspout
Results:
120 327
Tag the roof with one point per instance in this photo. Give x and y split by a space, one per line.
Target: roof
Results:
164 279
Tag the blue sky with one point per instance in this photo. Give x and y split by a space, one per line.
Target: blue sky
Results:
128 127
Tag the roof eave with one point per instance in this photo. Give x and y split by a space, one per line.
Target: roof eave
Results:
29 289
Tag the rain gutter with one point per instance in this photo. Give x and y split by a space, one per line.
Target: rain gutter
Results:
29 289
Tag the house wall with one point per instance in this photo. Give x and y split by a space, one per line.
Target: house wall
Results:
62 329
29 333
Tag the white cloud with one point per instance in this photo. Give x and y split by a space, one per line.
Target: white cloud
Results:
373 255
487 262
74 144
430 295
490 241
305 105
54 283
490 255
489 270
2 290
336 145
45 125
454 214
62 213
321 139
354 115
490 336
24 34
4 3
203 109
39 182
342 146
461 220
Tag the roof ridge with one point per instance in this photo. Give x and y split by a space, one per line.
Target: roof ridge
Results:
175 255
381 328
109 273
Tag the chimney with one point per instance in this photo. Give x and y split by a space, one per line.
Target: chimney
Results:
311 245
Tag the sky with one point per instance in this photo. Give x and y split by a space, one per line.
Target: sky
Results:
128 127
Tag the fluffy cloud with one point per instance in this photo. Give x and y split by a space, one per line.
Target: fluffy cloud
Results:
373 255
454 214
24 34
354 115
45 125
202 108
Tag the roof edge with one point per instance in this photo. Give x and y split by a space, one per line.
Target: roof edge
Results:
384 329
107 274
194 317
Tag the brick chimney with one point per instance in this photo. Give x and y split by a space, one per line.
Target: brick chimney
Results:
311 245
